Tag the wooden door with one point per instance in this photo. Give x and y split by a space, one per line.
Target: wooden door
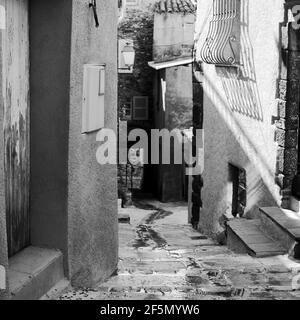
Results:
16 127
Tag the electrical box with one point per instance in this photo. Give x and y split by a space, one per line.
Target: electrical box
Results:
93 98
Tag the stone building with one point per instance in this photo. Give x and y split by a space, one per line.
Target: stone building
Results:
173 86
58 206
250 78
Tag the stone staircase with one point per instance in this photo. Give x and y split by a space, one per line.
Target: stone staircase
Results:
275 232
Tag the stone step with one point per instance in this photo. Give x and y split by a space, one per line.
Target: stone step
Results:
282 225
245 237
59 289
33 272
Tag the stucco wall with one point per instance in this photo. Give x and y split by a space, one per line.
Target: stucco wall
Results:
73 198
50 32
173 36
141 4
179 97
238 110
92 189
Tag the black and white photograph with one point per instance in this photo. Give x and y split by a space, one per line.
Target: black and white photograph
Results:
149 154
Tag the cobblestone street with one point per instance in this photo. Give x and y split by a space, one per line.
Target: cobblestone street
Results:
162 257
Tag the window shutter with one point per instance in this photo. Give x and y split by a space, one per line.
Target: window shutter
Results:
140 108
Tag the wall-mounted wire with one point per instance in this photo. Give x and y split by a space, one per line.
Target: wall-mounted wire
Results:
93 5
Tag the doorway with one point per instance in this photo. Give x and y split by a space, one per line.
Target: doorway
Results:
237 194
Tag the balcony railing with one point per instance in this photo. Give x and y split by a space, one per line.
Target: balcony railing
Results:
222 44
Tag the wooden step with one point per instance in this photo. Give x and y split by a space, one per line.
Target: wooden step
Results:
282 225
245 237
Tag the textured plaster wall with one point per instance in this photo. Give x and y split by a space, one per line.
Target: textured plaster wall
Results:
141 5
50 49
73 198
173 36
179 97
238 111
92 189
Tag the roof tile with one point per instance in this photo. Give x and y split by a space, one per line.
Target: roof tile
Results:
174 6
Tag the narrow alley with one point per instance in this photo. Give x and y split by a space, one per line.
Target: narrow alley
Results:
149 150
163 258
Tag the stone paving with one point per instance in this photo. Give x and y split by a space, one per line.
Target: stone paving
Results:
164 258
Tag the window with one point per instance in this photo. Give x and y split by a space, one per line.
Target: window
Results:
140 107
222 43
132 2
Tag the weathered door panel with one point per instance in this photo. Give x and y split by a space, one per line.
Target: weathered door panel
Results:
16 127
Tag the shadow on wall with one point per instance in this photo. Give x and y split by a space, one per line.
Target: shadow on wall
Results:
240 84
261 189
216 190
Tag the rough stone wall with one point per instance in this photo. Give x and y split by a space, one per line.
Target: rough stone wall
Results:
138 26
287 122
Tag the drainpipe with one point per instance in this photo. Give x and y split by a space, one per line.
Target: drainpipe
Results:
197 181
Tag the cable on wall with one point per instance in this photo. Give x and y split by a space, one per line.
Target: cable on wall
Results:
93 5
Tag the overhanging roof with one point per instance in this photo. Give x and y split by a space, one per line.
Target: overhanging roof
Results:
169 64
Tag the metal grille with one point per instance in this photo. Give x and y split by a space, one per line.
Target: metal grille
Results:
222 44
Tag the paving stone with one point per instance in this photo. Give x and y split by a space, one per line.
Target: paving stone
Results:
188 267
150 267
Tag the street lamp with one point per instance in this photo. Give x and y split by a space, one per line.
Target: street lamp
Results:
128 55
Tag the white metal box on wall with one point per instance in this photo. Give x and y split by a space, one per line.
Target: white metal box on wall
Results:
93 105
